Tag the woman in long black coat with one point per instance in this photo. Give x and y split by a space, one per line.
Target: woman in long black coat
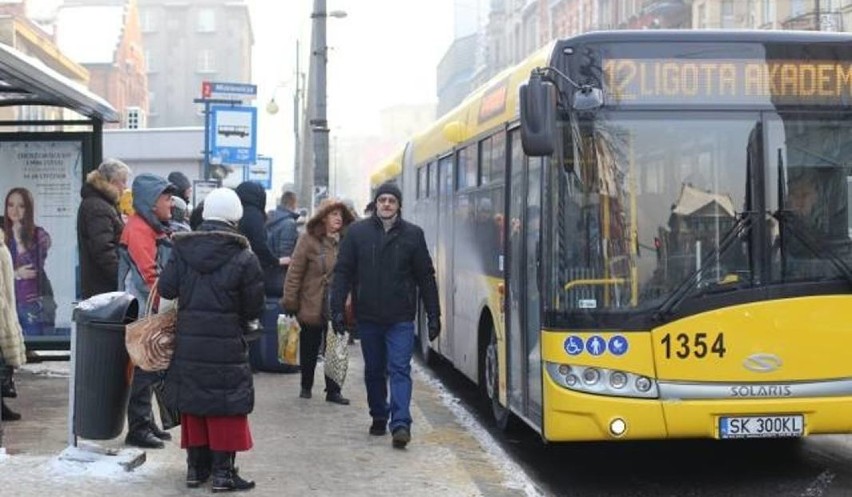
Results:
219 286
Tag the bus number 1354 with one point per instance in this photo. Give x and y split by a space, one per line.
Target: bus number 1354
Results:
683 345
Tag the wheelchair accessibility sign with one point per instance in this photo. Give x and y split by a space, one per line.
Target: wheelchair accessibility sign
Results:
596 345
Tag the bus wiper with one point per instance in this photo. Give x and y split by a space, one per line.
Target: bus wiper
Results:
742 225
805 236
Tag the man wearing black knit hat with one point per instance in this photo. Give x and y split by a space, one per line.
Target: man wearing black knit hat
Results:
383 260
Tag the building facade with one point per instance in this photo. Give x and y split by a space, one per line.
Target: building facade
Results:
113 53
186 44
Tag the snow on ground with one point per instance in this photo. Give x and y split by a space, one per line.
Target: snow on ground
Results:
516 477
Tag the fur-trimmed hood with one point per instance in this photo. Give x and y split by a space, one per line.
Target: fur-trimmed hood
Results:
96 184
315 226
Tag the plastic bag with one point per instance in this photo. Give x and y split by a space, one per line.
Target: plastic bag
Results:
288 339
336 356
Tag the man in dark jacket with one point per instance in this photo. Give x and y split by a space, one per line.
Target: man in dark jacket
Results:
383 260
282 233
99 227
253 226
217 282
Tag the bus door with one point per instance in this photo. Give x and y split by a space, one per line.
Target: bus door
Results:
516 260
445 252
524 319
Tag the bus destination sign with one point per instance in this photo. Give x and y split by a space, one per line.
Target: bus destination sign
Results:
729 81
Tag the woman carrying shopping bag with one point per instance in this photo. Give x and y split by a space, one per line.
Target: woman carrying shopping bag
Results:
306 288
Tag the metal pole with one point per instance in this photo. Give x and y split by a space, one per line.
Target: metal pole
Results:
206 140
319 121
297 101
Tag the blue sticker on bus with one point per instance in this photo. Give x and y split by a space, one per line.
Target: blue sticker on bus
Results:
573 345
618 345
596 345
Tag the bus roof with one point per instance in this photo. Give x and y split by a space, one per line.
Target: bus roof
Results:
709 35
388 169
494 103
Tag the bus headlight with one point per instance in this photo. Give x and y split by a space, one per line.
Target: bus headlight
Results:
617 379
643 383
591 376
602 381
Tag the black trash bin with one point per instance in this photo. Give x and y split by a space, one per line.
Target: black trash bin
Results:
101 373
263 352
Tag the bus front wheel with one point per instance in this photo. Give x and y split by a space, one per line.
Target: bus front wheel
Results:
502 415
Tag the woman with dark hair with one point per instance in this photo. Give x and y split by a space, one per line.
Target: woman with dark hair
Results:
28 245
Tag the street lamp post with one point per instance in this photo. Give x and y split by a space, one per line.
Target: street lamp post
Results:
273 108
319 119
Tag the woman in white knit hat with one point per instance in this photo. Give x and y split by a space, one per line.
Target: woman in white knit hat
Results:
219 286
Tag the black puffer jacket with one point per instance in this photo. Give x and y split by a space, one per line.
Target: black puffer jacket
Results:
99 227
219 287
384 271
253 226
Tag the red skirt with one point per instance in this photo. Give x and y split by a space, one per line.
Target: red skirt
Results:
220 433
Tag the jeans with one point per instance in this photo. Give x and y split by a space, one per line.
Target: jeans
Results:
387 350
140 414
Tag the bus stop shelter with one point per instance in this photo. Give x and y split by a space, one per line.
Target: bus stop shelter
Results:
50 139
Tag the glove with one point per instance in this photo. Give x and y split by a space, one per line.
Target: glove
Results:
338 324
434 328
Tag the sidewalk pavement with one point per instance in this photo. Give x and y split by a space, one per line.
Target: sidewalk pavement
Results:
302 446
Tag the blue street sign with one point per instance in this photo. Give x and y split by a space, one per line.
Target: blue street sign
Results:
218 89
234 135
261 172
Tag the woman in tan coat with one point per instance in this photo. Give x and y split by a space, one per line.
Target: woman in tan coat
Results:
307 285
12 349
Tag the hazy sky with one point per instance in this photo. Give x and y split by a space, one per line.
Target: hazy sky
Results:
383 53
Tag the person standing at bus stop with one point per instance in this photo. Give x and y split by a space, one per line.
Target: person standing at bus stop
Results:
383 260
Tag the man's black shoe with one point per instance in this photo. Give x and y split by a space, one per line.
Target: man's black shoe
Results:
144 439
337 399
161 434
305 393
379 427
401 437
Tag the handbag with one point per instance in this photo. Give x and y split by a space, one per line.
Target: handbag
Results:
150 340
336 356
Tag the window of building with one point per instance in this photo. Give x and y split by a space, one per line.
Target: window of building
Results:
149 62
797 7
148 20
206 21
206 61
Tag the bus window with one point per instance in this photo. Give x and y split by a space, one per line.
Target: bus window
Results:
498 157
422 184
432 177
485 161
466 171
809 169
628 238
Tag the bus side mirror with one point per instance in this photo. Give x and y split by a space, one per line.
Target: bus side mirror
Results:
538 117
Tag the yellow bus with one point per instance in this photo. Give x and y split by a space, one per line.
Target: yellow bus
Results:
648 235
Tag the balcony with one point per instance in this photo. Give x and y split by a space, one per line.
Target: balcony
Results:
827 21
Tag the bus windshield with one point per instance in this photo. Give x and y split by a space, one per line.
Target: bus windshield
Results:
654 209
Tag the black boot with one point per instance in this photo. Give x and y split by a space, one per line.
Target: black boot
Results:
198 466
225 477
7 387
8 414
